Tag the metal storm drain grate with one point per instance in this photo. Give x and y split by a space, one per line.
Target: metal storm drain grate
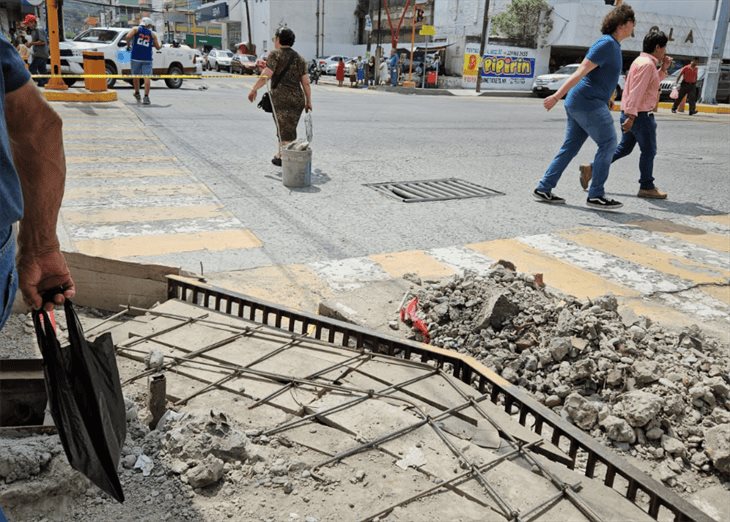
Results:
433 190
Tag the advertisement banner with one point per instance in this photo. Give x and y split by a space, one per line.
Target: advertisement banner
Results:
501 67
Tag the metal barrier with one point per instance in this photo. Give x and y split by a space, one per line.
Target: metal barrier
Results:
600 460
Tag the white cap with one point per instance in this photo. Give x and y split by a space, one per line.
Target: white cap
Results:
146 21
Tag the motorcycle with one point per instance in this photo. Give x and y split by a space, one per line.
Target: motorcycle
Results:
314 72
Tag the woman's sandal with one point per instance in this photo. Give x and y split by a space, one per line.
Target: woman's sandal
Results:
276 161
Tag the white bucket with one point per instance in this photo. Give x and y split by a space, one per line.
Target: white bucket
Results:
297 168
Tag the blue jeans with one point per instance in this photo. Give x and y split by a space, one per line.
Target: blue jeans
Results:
38 66
394 77
8 274
642 132
141 68
598 124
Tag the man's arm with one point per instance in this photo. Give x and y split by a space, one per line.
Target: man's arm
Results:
39 41
41 167
155 41
130 36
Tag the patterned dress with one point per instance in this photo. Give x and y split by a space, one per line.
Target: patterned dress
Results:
288 96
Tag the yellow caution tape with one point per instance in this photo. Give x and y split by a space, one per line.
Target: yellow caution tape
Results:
141 77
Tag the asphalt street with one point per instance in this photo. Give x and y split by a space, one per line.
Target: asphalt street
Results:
365 136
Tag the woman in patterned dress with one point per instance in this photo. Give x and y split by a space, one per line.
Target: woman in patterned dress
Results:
292 93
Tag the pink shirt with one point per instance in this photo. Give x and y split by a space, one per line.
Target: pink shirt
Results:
641 90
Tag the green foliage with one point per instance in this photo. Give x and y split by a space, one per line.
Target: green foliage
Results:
527 22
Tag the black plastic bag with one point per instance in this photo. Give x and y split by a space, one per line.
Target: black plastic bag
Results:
85 399
265 103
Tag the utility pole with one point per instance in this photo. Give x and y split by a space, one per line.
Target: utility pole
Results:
323 27
712 76
316 36
483 43
251 50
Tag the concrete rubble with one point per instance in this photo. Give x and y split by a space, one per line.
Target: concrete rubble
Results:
659 395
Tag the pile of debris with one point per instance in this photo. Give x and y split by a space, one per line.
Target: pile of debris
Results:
661 395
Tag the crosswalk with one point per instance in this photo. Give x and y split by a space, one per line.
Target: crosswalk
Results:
127 197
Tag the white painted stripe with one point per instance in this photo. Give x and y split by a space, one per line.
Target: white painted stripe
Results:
106 183
626 273
461 259
182 201
707 226
698 304
672 245
193 226
348 274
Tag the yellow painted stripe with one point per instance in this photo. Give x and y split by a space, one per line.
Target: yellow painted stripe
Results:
297 285
662 314
647 256
121 173
80 160
557 274
415 261
696 236
80 136
722 219
142 215
136 191
721 293
168 244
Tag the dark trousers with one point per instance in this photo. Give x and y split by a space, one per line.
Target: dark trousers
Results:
690 90
642 132
38 66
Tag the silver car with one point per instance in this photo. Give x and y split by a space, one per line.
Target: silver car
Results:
220 59
329 65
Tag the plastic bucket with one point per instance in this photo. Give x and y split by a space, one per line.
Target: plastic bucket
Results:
297 168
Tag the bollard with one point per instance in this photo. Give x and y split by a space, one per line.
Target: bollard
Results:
157 398
94 64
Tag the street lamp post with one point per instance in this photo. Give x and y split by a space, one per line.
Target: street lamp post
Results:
485 24
712 76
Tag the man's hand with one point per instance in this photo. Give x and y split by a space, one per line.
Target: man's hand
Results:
667 63
252 95
550 102
627 124
40 272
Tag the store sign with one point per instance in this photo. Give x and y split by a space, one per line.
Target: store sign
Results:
501 67
211 12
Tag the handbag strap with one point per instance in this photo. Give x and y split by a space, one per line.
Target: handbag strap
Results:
276 78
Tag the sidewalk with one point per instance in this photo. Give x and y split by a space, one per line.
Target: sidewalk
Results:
722 108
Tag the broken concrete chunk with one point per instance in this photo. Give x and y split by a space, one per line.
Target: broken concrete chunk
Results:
717 446
581 411
640 407
559 348
495 312
145 464
206 473
414 458
617 429
645 372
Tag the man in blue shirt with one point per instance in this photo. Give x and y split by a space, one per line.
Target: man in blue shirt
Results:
32 171
591 87
142 39
393 63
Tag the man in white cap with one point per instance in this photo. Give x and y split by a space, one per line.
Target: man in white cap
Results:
142 38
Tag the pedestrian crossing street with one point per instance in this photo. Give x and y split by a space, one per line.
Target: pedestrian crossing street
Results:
128 198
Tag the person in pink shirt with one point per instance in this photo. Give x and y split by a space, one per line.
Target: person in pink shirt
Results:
640 96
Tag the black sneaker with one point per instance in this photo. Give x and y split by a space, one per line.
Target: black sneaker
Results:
146 100
547 197
276 161
137 96
603 204
674 111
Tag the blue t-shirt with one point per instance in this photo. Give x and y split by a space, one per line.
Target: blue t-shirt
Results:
596 87
142 46
14 76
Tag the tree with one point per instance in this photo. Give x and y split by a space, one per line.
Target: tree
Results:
527 22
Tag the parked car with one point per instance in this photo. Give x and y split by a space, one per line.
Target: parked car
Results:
112 42
547 84
220 59
243 64
723 86
261 63
328 65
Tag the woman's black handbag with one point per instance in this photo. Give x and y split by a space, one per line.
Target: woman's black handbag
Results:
265 103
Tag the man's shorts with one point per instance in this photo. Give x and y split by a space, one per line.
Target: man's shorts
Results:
8 273
140 68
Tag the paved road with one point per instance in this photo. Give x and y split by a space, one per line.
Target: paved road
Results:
195 168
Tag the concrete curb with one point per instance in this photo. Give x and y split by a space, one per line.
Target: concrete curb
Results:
80 95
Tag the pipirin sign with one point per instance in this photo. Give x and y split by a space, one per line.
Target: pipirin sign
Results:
501 67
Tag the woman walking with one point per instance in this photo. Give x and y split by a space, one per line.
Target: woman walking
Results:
586 106
290 89
340 73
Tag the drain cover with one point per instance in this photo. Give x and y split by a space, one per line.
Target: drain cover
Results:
433 190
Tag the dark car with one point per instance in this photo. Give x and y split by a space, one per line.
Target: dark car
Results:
243 64
723 86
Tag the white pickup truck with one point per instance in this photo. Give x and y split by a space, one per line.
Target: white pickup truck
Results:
112 42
